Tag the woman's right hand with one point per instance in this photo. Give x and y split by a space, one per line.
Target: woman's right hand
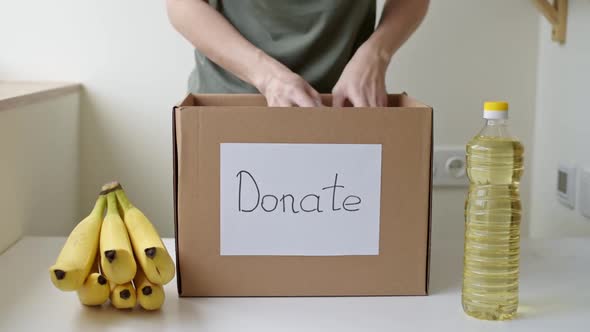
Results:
283 88
204 27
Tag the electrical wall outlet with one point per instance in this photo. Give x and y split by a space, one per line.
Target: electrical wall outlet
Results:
566 185
449 166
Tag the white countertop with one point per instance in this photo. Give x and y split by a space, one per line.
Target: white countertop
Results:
555 296
17 93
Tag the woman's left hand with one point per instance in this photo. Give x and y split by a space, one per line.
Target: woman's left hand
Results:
362 83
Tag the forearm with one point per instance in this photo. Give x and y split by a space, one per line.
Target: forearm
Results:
210 33
399 20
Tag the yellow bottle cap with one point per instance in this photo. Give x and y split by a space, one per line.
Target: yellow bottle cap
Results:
495 110
500 106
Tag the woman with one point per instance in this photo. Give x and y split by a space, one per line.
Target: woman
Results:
291 50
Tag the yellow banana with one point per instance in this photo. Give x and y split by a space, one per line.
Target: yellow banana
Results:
149 295
95 290
78 253
150 252
123 296
116 254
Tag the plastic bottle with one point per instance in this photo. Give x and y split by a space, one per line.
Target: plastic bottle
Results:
492 219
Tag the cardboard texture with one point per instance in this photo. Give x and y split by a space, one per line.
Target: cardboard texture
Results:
404 129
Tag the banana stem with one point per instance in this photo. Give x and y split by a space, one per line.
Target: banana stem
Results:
110 187
123 200
99 205
112 204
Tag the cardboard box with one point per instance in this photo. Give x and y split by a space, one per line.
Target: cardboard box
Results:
301 201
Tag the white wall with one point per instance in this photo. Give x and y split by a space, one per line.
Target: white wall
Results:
562 131
134 67
39 168
464 53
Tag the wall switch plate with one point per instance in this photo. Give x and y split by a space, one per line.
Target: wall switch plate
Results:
585 193
449 166
566 185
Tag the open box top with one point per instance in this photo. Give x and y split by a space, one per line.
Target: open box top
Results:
247 100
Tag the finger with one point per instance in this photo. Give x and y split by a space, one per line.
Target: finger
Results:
358 100
280 102
269 102
373 101
378 99
284 103
277 102
314 95
302 99
338 99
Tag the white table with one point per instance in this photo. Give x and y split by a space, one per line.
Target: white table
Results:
555 296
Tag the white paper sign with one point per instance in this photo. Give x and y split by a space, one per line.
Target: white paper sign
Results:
300 199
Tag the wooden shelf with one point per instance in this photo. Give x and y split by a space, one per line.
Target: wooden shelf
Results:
555 11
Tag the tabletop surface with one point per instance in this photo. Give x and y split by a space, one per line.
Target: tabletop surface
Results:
555 296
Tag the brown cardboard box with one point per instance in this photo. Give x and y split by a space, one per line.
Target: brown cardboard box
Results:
403 133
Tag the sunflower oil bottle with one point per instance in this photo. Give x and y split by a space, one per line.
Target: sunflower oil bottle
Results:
492 219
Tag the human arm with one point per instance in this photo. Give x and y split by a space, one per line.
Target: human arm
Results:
362 81
204 28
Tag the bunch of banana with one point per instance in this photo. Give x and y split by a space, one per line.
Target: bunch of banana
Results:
117 255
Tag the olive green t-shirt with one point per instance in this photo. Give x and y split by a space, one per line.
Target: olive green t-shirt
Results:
314 38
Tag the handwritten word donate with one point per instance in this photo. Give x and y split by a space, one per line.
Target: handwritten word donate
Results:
324 200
